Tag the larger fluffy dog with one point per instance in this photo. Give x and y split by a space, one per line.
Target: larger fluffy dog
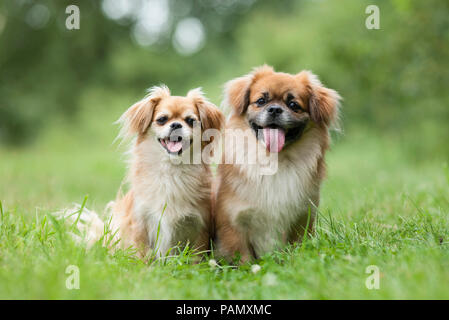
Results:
288 115
169 202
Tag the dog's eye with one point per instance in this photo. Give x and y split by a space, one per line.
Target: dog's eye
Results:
261 101
162 120
190 121
294 106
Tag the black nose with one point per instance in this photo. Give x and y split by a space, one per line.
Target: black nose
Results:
274 110
175 125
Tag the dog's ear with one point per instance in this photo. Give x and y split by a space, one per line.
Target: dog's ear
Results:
210 116
137 119
237 91
323 102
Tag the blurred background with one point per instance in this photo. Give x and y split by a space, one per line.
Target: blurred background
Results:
60 90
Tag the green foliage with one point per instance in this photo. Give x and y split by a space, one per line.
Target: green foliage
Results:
44 69
392 79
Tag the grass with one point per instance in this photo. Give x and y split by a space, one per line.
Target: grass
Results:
379 207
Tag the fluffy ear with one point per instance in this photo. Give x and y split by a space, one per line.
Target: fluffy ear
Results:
237 91
323 102
210 116
137 119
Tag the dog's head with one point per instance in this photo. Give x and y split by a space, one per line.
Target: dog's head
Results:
170 120
280 106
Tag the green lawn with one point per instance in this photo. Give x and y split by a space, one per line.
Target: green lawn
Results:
379 207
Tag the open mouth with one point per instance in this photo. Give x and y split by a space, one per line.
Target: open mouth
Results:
276 137
174 144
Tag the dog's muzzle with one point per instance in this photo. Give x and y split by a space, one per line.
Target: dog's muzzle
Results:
276 128
175 143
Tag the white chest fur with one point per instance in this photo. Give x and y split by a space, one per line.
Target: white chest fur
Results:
273 203
169 198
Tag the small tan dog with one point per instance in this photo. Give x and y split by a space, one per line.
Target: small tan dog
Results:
164 126
289 116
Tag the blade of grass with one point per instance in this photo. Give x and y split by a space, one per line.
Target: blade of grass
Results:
1 210
156 247
80 210
304 237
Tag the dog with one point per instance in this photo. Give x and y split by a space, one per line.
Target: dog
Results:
288 116
169 202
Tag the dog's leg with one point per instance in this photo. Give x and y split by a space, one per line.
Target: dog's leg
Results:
231 243
202 241
229 240
128 232
201 245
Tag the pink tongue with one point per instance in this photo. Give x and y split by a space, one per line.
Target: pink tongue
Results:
274 139
174 146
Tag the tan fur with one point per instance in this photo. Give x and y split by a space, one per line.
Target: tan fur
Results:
253 213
